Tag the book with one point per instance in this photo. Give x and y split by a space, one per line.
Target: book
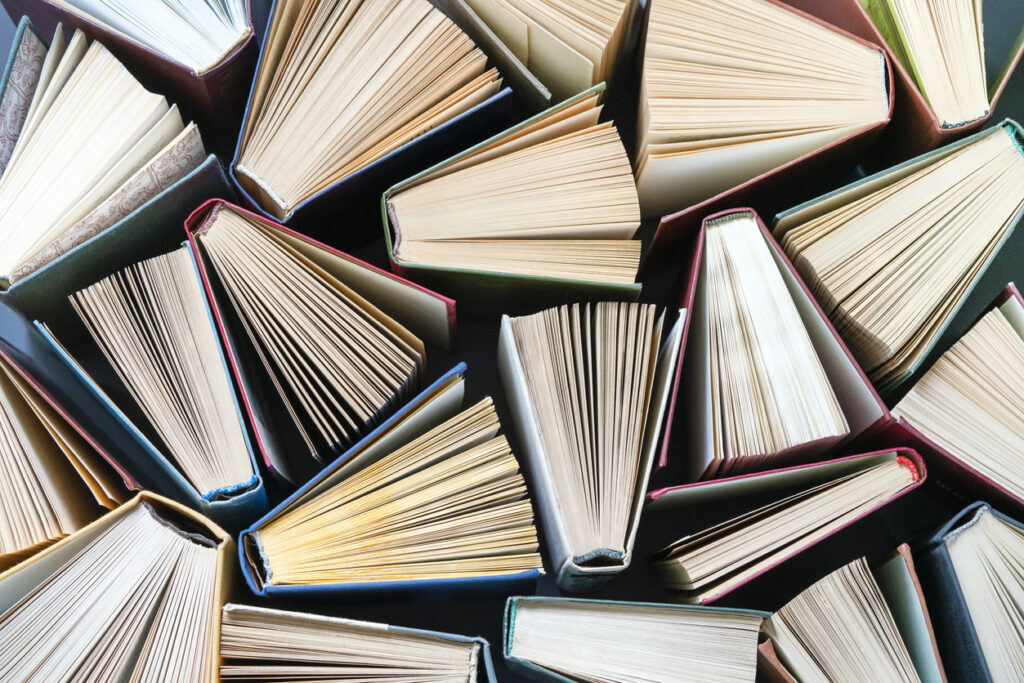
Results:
588 389
857 623
920 234
358 327
755 330
258 644
431 501
199 54
21 76
742 89
568 47
561 210
152 326
97 144
970 573
136 594
563 639
963 404
809 503
349 98
995 41
52 481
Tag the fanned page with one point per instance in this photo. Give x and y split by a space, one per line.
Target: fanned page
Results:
259 644
95 145
551 198
45 482
449 504
570 46
343 83
152 324
841 629
195 33
136 601
891 267
941 44
589 373
987 553
969 401
769 391
732 90
708 564
589 640
338 365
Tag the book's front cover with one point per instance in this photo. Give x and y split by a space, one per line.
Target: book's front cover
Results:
211 98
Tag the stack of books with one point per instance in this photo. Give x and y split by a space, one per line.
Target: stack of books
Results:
600 340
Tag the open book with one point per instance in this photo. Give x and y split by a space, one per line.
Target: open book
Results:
562 639
733 90
52 482
942 47
335 362
260 644
970 571
342 85
707 564
196 33
968 402
432 498
758 383
891 258
858 624
135 595
152 324
551 198
93 146
589 388
569 46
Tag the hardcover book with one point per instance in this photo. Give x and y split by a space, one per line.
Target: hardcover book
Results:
588 387
563 639
201 55
341 109
993 49
744 297
970 573
366 354
430 503
921 233
812 503
257 644
134 595
561 207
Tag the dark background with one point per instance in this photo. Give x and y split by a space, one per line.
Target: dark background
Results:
908 520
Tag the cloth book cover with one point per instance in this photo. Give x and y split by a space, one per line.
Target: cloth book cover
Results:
793 180
802 477
25 578
914 128
954 629
857 189
20 78
355 194
435 404
573 573
480 289
864 410
901 588
210 97
539 673
426 314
